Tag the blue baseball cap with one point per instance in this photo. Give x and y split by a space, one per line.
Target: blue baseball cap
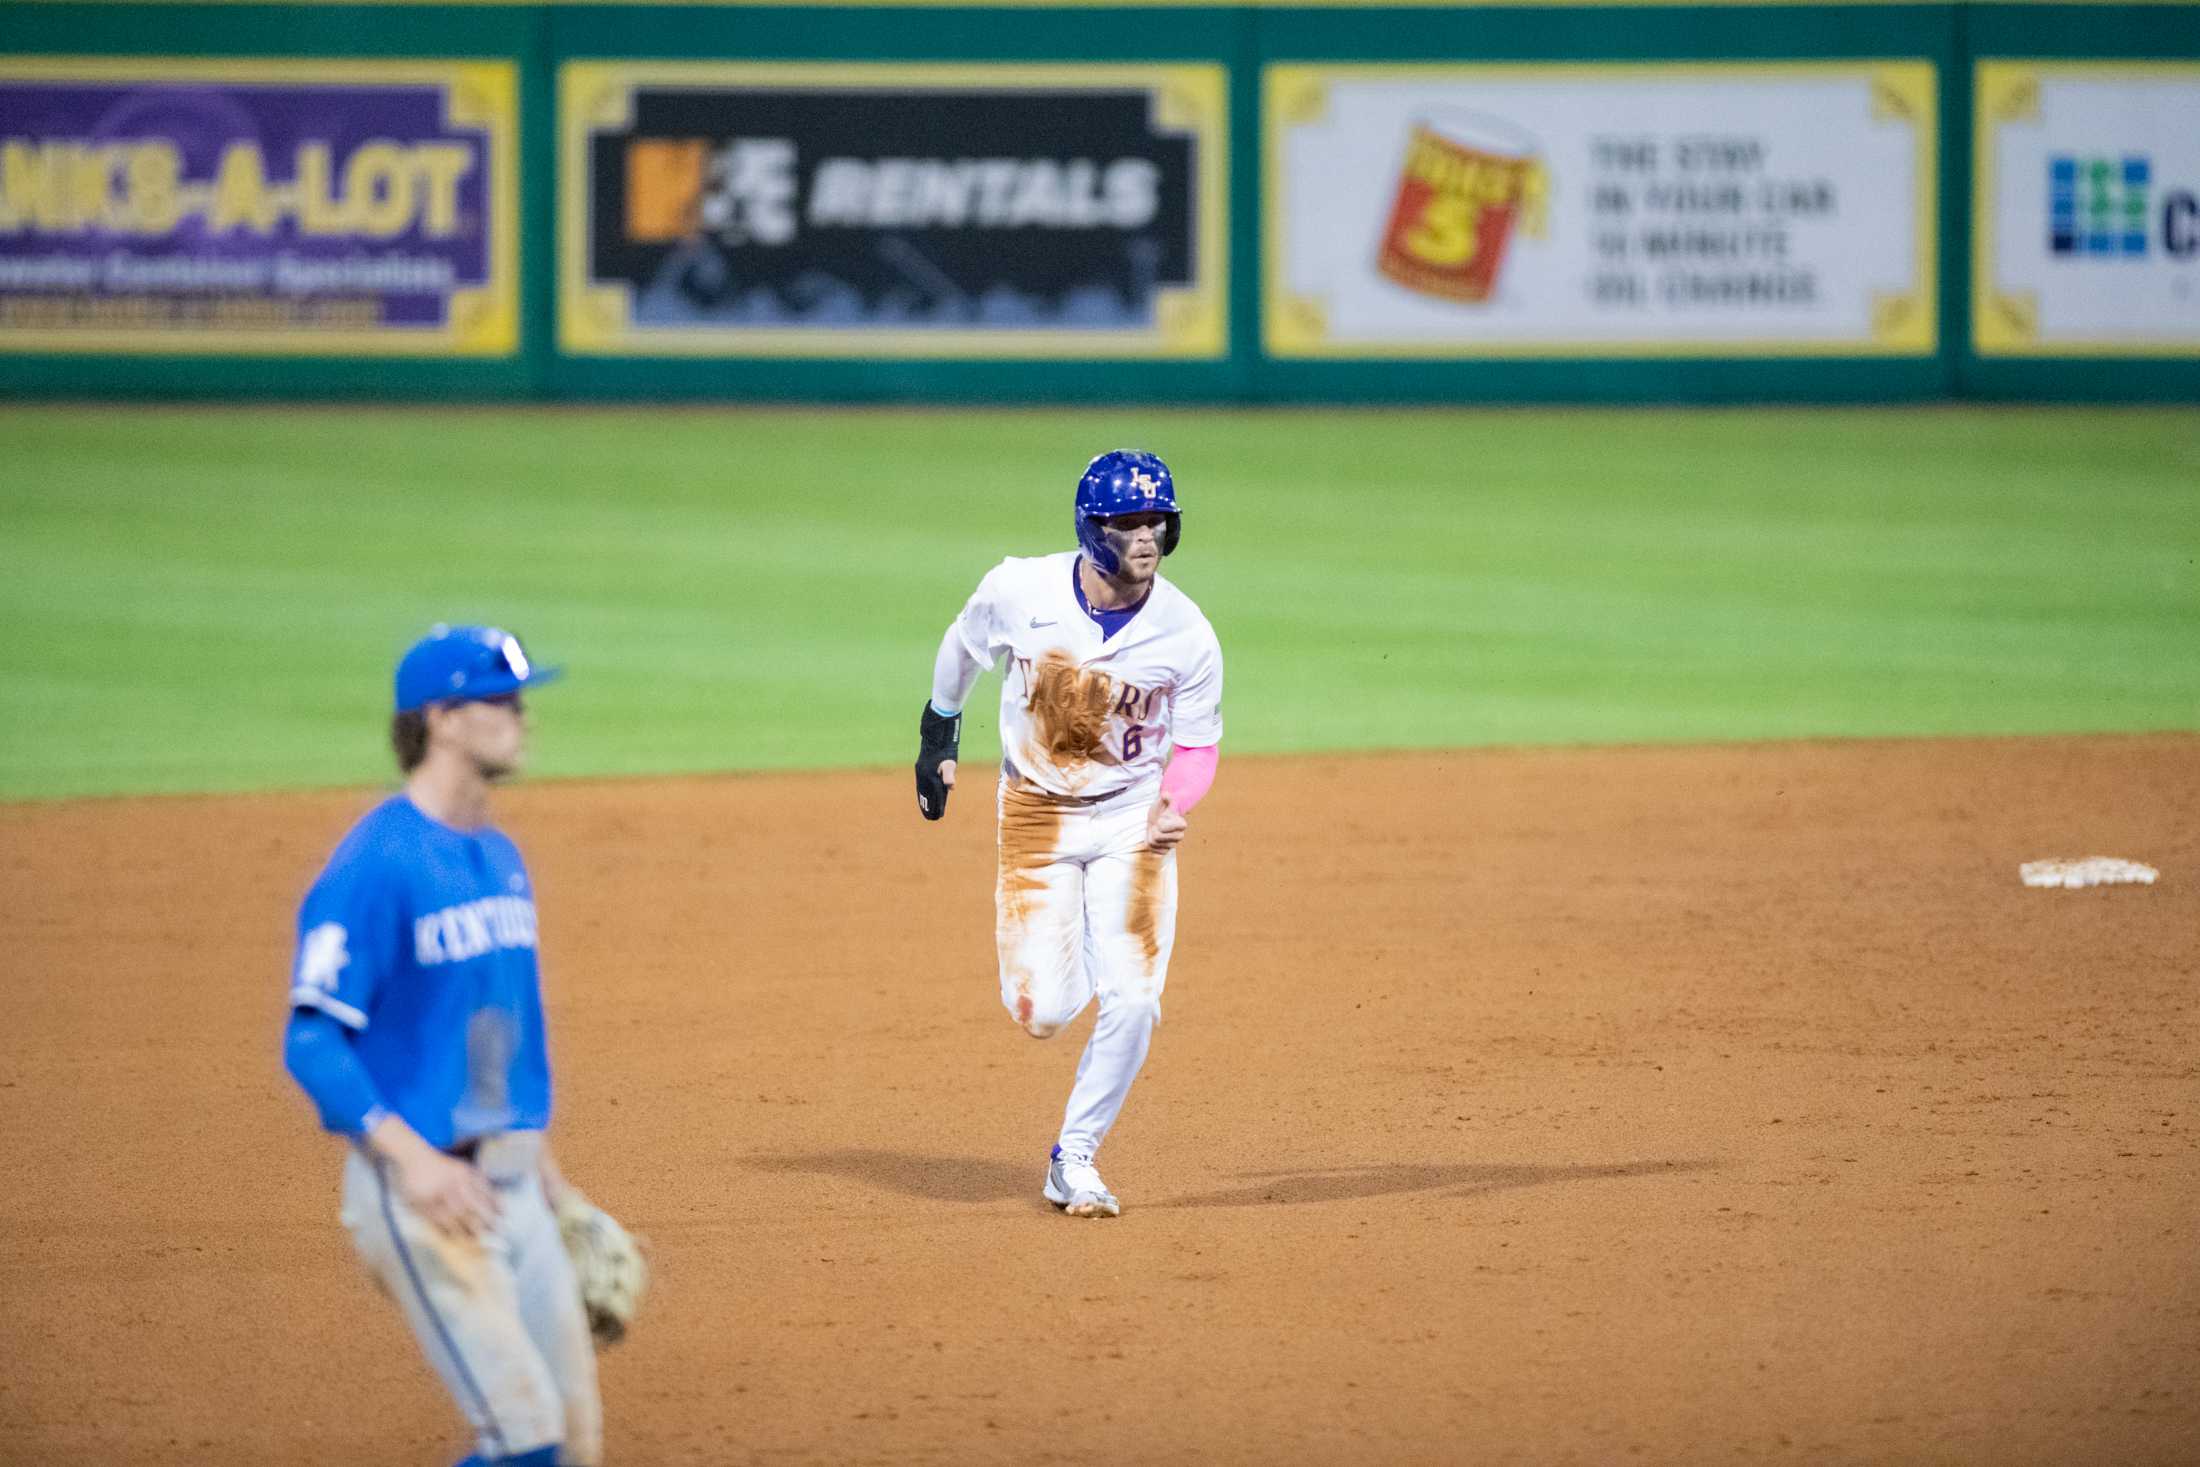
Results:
453 664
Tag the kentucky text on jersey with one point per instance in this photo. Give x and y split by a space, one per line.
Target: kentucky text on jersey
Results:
472 928
421 939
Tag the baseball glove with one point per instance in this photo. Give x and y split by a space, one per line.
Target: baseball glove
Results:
607 1261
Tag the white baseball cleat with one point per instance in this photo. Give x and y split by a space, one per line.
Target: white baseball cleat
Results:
1074 1185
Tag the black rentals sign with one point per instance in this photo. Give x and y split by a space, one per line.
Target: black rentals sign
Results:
861 210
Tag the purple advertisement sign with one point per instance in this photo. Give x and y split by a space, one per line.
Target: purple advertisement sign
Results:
158 205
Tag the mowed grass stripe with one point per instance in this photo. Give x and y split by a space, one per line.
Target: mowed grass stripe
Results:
204 599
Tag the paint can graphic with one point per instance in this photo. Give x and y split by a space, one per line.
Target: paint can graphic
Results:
1467 184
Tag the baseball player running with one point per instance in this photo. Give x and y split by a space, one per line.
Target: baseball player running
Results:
416 1028
1111 711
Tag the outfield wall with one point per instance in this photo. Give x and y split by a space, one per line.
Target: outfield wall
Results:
1043 202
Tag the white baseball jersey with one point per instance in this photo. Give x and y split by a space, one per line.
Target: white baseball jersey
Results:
1083 716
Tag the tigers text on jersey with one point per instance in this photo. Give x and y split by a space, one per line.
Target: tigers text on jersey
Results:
1083 715
420 938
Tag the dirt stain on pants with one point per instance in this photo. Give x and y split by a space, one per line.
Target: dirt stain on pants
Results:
1031 827
1145 909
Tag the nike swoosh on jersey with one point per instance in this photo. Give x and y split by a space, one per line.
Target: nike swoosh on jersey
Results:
1036 623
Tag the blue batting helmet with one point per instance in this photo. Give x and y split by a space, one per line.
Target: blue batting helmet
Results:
1124 482
453 664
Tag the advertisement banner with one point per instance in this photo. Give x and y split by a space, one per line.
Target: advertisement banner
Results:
2086 240
152 204
855 210
1600 210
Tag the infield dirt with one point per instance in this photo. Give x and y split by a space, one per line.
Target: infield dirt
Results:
1671 1105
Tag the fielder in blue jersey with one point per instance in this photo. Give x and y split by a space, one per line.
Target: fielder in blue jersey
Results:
416 1027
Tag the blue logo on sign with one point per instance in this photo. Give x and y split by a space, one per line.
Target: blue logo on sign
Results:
2098 206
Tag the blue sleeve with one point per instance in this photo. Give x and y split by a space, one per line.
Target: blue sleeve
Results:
317 1051
348 931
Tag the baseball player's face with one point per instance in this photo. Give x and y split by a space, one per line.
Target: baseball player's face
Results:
1136 541
491 733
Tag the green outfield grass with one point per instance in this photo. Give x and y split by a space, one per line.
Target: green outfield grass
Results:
211 598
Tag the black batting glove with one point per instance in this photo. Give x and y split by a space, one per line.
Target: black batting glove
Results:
939 737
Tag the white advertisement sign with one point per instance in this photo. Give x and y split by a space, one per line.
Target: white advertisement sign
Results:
2087 234
1600 210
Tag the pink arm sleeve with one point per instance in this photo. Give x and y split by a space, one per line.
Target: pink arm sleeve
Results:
1190 775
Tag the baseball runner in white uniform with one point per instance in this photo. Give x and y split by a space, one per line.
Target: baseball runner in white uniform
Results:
1111 711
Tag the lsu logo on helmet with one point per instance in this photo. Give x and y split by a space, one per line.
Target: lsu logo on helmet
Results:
1125 481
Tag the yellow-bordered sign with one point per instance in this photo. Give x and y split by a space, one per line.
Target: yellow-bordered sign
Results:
764 210
264 206
2085 212
1600 210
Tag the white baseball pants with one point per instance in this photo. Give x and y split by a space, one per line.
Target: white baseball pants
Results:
1084 909
499 1317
